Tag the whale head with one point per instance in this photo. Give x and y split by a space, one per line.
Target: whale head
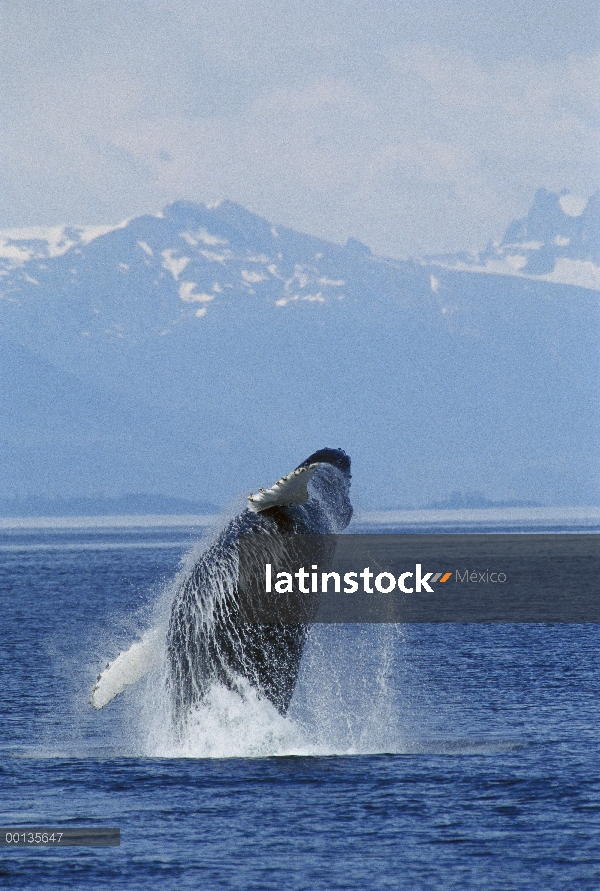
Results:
328 490
328 473
336 457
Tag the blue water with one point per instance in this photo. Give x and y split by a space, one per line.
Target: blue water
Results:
414 757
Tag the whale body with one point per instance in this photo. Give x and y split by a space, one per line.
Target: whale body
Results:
214 635
209 640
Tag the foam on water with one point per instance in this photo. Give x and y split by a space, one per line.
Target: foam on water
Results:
345 703
346 699
225 725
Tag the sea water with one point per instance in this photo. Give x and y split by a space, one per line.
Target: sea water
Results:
413 756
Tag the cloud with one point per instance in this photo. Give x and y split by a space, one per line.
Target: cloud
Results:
411 147
438 156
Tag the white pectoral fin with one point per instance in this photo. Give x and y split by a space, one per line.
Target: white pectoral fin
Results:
287 491
128 668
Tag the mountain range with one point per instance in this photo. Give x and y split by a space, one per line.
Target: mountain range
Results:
557 242
204 351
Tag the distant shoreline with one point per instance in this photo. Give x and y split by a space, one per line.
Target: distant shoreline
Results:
106 521
491 516
130 504
549 516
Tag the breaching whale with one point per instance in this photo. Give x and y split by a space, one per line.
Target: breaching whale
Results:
210 638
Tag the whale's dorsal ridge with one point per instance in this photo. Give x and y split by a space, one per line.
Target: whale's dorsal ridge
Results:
289 490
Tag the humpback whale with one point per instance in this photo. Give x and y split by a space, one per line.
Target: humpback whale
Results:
215 632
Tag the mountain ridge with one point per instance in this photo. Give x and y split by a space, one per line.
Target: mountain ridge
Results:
250 345
558 242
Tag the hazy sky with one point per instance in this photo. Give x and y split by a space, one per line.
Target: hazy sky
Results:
416 126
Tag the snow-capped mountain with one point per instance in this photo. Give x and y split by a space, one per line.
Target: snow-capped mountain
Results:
152 274
558 241
204 349
18 246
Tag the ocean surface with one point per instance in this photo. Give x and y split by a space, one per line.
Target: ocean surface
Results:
413 757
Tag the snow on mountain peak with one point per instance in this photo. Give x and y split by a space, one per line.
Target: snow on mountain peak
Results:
572 205
19 245
558 241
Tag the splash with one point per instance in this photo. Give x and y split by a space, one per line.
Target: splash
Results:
227 724
347 701
218 685
349 697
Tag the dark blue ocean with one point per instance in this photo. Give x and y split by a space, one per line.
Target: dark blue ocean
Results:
413 757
